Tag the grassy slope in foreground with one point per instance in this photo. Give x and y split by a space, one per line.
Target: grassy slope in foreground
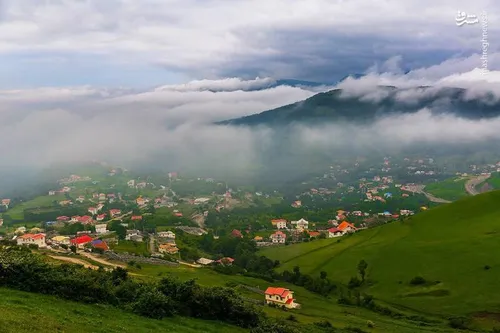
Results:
22 312
451 244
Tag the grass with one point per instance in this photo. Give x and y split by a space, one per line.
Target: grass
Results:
17 212
138 248
22 310
314 307
449 245
450 189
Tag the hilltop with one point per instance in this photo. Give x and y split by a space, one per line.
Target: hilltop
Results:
342 105
452 247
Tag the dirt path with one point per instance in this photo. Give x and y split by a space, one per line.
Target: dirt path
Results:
75 261
101 261
190 265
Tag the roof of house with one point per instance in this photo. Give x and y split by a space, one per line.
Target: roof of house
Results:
81 240
334 230
100 244
236 233
279 233
314 233
60 238
32 236
258 238
276 221
282 292
136 217
344 225
85 219
101 216
62 218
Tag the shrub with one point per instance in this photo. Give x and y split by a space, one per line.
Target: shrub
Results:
458 323
354 282
370 324
292 318
486 267
152 303
417 280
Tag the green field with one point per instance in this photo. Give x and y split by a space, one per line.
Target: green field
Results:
26 312
450 189
454 247
139 248
17 212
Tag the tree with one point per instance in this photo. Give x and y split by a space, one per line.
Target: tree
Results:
73 248
362 269
120 230
322 275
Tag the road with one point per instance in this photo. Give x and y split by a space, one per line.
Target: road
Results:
470 185
420 189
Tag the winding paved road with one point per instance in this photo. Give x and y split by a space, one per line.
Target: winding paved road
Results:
470 185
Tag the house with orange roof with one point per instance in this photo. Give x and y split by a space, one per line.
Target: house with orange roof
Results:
279 223
280 296
314 234
346 227
28 239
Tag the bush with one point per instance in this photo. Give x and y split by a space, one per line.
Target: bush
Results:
323 324
354 282
486 267
152 303
292 318
458 323
417 280
370 324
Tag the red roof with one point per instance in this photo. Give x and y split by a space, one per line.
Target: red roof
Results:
114 211
62 218
290 300
81 240
136 217
236 233
282 292
32 236
276 221
334 230
314 233
85 219
101 216
279 233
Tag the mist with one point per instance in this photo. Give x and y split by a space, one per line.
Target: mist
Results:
172 127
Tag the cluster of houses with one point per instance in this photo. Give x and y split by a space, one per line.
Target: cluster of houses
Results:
80 241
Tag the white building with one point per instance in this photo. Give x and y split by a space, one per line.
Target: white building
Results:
101 228
278 237
166 234
27 239
301 224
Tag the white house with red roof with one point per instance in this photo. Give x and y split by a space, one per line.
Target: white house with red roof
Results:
101 217
36 239
85 219
334 232
81 241
63 218
281 297
278 237
75 219
114 212
93 210
136 218
301 224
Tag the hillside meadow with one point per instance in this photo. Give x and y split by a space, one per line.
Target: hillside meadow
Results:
453 247
22 312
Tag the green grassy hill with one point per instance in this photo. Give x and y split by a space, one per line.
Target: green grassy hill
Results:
453 247
449 189
23 312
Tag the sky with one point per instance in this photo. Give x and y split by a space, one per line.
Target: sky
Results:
131 82
126 43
